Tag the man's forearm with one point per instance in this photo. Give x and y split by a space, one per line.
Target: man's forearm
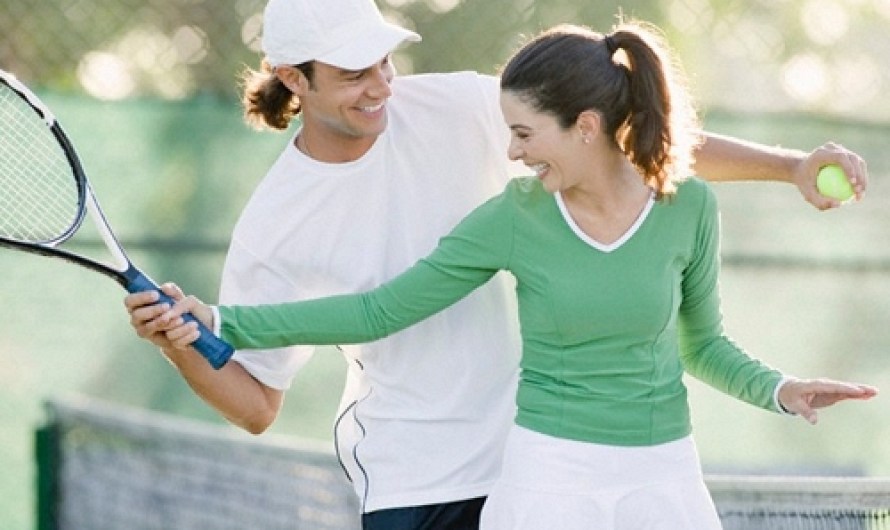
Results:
723 158
231 390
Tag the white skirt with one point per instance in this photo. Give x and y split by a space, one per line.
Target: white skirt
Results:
553 483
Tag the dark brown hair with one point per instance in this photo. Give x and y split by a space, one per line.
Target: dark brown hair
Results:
628 78
267 102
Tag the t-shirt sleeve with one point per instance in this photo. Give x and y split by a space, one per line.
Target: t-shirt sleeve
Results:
247 279
492 108
465 259
706 352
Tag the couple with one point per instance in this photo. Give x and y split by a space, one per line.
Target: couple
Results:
611 249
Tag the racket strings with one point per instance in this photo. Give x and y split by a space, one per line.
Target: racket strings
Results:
39 196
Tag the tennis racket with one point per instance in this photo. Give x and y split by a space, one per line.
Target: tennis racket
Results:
45 196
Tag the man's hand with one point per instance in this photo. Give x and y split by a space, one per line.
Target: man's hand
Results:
805 173
144 311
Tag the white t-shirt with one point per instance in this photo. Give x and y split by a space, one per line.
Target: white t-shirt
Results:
424 413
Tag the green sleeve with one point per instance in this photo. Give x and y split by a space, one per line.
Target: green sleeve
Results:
465 259
705 351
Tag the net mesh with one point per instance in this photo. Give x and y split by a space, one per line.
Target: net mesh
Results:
830 503
110 467
39 196
116 468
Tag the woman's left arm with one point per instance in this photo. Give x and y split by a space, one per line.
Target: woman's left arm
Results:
710 356
705 351
723 158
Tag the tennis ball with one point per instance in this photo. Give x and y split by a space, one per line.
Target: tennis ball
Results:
832 182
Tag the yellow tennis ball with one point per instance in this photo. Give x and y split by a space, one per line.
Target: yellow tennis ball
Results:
832 182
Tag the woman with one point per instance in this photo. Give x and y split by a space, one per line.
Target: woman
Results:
616 260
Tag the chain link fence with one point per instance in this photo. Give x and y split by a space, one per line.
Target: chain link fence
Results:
179 163
823 56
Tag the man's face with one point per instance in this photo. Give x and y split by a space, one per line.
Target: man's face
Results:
347 105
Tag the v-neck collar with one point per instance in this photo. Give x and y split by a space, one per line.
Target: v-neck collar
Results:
602 247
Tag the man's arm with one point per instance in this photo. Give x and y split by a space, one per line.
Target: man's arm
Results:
722 158
231 390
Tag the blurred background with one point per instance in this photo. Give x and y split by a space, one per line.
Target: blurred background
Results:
147 90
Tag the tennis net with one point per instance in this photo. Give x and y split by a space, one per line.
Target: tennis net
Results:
107 467
103 466
792 503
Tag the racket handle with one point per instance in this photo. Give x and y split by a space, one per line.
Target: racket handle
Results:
214 349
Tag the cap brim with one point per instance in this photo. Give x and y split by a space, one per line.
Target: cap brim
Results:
367 44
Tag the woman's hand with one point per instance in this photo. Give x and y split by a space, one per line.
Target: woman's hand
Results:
805 396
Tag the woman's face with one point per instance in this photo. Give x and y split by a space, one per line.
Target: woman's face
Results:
541 144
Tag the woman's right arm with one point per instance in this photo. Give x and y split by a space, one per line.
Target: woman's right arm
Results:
465 259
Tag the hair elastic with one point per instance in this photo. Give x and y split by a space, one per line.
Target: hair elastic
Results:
610 44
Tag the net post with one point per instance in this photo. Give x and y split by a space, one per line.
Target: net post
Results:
48 456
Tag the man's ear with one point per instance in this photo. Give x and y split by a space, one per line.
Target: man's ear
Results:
293 79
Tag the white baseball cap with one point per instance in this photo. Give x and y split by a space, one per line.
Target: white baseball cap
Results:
349 34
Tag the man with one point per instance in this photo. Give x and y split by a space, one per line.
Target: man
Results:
381 167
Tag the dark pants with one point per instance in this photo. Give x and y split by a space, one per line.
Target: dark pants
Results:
460 515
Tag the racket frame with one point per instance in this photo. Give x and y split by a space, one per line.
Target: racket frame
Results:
216 351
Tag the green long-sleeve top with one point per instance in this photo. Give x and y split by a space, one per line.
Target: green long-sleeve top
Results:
606 335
